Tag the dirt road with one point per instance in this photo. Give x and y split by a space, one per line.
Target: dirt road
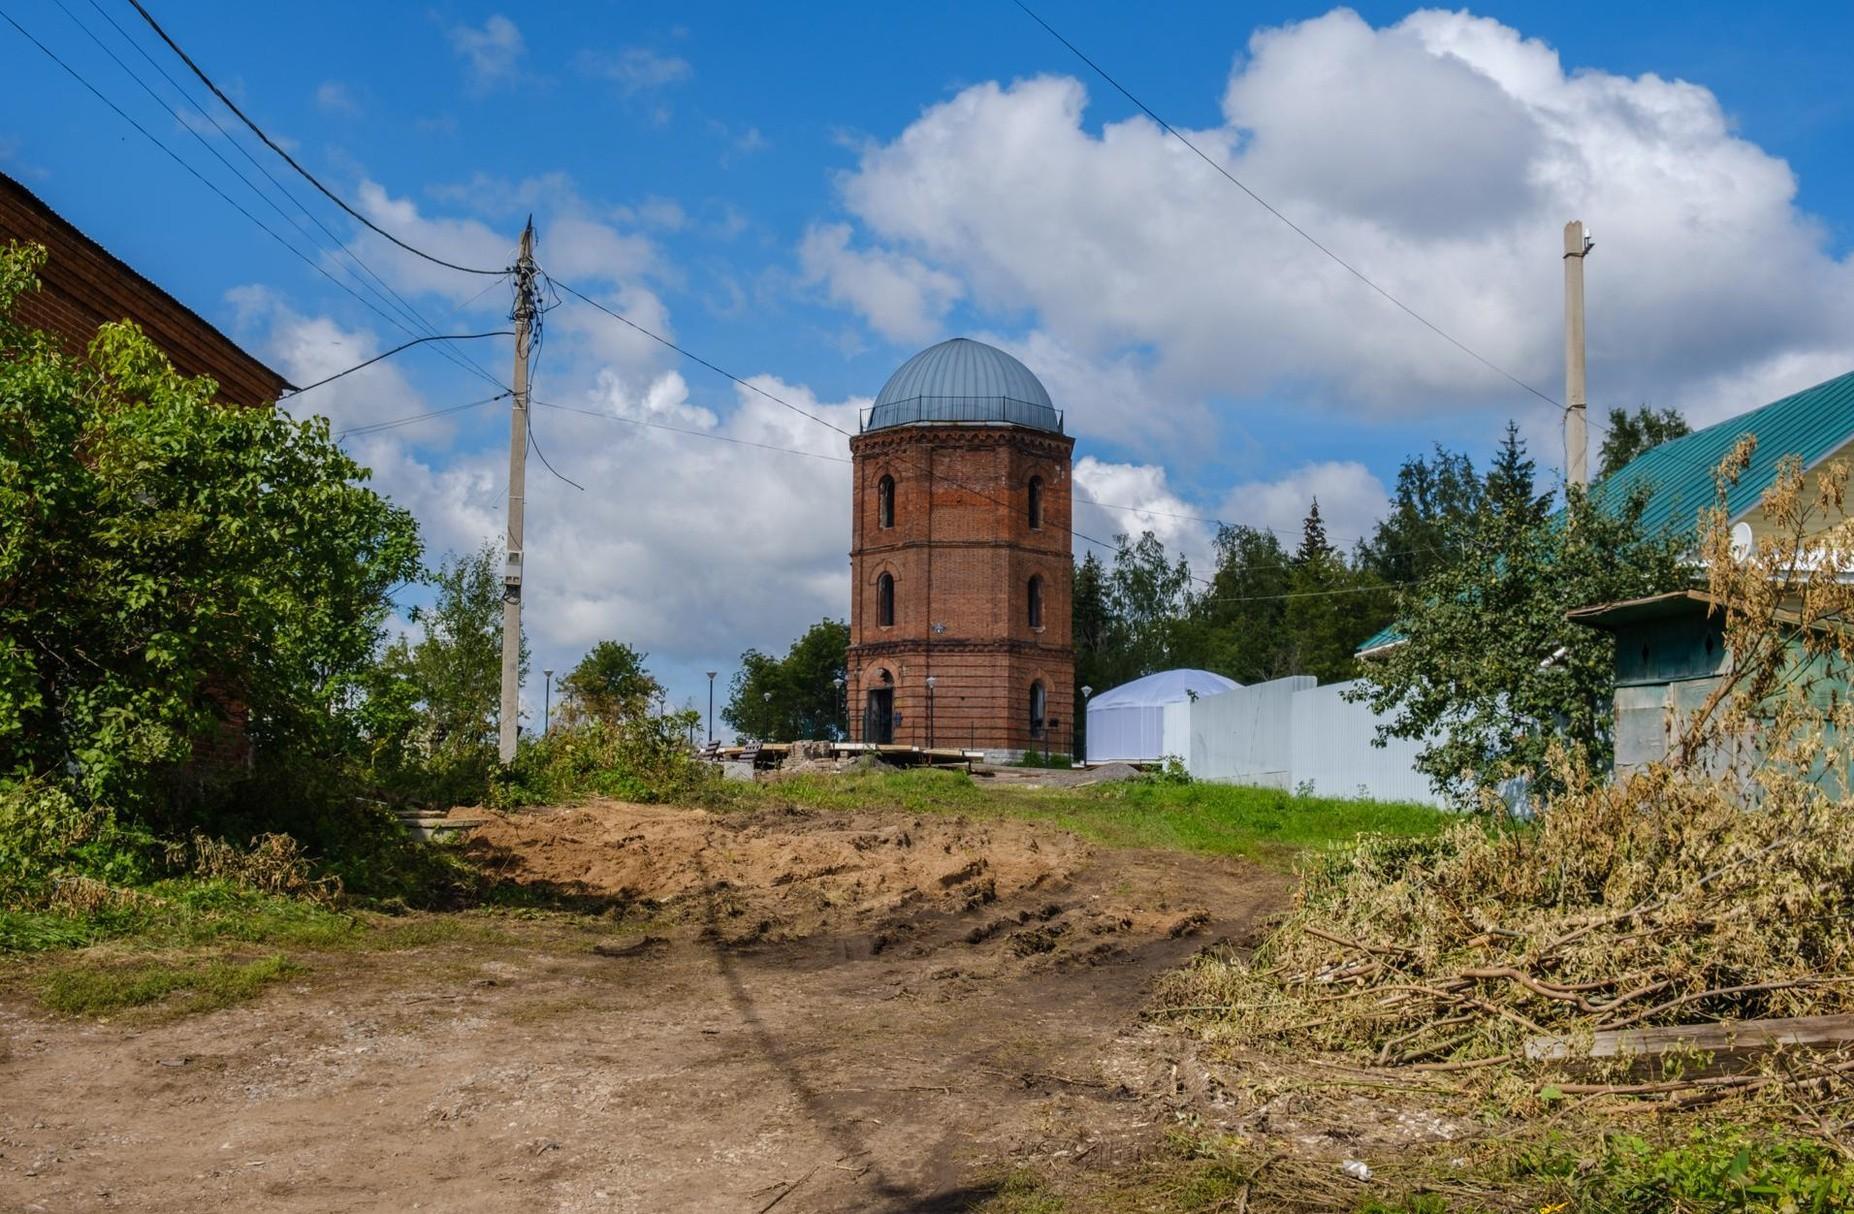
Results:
791 1012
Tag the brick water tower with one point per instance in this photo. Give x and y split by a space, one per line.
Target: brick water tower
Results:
960 558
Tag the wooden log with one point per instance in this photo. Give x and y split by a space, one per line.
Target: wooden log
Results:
1722 1039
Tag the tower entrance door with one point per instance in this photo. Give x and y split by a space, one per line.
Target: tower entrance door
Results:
879 716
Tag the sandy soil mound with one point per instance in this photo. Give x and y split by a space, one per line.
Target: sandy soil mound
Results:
774 875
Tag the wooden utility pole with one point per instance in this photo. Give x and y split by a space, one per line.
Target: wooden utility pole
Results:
509 719
1577 245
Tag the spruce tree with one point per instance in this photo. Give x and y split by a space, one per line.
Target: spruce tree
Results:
1313 542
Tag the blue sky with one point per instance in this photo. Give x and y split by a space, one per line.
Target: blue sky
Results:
810 195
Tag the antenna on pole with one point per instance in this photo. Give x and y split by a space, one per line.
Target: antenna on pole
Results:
1577 246
509 718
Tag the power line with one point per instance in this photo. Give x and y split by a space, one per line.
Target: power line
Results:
822 421
291 160
695 358
545 462
206 111
397 300
396 349
708 434
785 404
1272 210
197 175
1379 587
376 427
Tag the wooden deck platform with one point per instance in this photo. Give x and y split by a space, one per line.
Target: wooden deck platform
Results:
773 753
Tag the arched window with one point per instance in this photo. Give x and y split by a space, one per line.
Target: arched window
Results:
1036 602
1038 701
1036 502
885 600
885 502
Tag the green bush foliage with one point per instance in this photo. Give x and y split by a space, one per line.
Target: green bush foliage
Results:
638 758
172 569
1714 1169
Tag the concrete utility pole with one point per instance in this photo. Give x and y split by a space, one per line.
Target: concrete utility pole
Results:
510 716
1577 246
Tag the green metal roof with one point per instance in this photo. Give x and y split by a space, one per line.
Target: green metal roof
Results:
1813 423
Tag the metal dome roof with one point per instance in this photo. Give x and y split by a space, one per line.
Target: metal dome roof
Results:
963 381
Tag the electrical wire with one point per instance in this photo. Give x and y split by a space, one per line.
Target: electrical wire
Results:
206 112
176 157
841 459
291 160
1272 210
376 427
696 358
211 185
708 434
528 425
726 374
417 341
391 297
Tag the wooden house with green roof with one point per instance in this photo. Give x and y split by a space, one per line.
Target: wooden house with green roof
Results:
1670 651
1816 424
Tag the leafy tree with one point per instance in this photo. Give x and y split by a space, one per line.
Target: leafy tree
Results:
609 684
1091 625
171 568
1433 498
794 697
1148 596
439 700
1240 624
1630 434
1491 675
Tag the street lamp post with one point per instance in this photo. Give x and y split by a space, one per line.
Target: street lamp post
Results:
766 698
839 706
711 708
547 699
1082 758
929 712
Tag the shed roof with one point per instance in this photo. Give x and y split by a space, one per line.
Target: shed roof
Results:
1608 616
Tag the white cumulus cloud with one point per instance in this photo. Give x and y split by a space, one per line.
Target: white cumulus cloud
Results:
1441 155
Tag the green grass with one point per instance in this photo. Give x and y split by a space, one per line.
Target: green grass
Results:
1220 819
90 988
179 914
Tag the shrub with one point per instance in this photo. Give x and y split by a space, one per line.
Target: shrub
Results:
48 835
638 758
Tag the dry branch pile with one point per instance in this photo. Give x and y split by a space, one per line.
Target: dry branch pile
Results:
1699 890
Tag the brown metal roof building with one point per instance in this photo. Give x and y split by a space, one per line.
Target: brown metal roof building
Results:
81 286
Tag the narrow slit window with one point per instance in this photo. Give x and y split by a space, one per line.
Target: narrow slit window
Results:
1036 502
1038 702
1036 602
885 502
885 600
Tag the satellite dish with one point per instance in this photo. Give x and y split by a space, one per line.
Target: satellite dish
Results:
1742 542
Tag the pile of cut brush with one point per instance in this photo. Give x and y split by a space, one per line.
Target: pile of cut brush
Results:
1658 901
1707 891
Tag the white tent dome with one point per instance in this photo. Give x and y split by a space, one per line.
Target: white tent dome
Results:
1127 724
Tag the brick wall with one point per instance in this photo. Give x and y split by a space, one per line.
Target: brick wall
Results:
962 553
82 286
